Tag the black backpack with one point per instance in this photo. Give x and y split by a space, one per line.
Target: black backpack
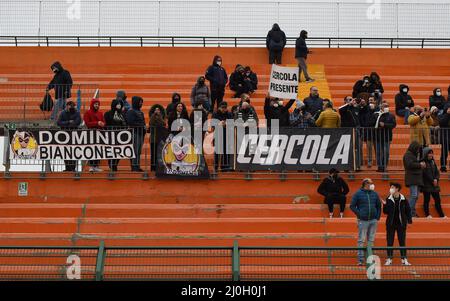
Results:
47 103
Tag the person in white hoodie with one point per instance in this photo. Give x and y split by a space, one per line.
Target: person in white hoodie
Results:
399 215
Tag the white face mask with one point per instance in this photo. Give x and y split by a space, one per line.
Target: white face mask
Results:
372 186
392 190
386 110
280 103
219 63
372 106
405 90
275 105
438 93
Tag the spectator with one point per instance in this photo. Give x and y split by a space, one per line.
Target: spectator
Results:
398 212
335 191
178 115
158 131
420 122
431 184
122 95
375 83
349 113
246 112
437 100
275 43
413 173
115 119
384 124
403 102
176 98
301 119
444 124
367 207
367 122
93 118
62 84
69 119
434 128
328 118
238 84
251 78
222 159
217 77
275 110
448 94
301 54
198 124
361 86
313 103
201 91
136 120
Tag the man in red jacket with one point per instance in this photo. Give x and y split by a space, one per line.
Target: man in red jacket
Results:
93 119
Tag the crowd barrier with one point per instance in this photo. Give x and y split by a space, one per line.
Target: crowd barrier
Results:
234 263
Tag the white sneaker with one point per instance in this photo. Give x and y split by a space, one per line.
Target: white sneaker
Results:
405 262
341 215
429 216
388 261
97 169
331 215
91 169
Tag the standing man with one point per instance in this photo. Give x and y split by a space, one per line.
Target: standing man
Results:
275 43
384 124
413 173
62 83
301 54
136 120
217 77
398 212
69 119
366 205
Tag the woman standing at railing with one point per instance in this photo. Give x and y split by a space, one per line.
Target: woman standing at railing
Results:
114 120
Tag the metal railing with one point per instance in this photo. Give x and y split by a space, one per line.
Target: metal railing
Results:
205 41
234 263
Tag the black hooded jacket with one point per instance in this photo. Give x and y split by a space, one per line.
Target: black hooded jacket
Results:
359 87
172 105
281 112
135 117
430 173
216 75
61 82
276 39
115 118
333 189
375 83
403 100
411 164
301 50
437 101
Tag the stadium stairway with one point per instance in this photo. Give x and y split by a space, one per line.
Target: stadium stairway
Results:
264 211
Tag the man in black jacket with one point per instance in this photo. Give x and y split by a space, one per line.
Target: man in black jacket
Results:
414 166
275 43
335 191
301 54
136 120
115 120
275 110
384 124
444 124
403 102
349 113
399 215
313 103
69 119
62 84
361 86
218 78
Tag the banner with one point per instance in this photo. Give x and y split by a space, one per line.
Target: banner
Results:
177 158
297 149
283 82
77 144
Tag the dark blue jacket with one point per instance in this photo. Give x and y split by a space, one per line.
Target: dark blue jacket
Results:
366 205
301 50
135 117
65 117
217 76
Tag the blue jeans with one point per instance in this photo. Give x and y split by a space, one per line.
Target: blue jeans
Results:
413 196
366 233
60 105
382 149
404 113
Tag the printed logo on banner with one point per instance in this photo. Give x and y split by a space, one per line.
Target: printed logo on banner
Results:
24 145
283 82
179 155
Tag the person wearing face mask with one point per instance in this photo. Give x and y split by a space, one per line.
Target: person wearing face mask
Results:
69 119
313 103
115 119
217 77
437 100
251 78
413 166
122 96
274 109
431 186
238 84
201 91
301 55
384 124
94 119
62 84
398 216
367 131
246 112
366 205
136 120
403 102
275 43
299 118
176 98
420 121
335 191
329 118
361 86
158 131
